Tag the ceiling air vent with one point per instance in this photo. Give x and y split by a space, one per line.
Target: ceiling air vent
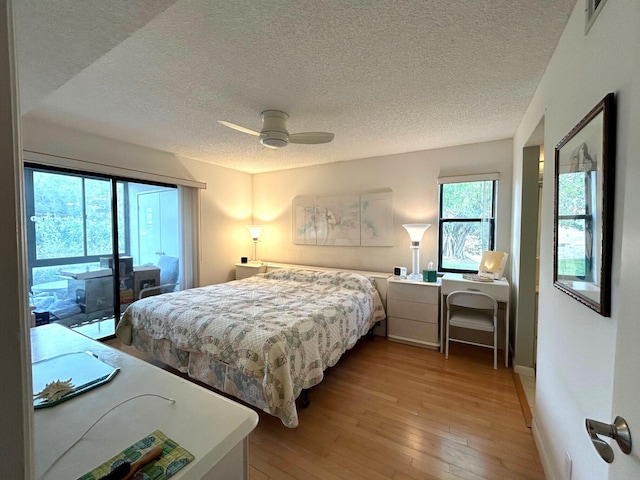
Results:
593 8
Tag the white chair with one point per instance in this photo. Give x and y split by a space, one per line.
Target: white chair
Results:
472 310
169 277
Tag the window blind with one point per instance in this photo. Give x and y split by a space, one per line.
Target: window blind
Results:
479 177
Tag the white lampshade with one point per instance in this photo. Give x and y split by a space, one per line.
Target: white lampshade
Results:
416 231
255 231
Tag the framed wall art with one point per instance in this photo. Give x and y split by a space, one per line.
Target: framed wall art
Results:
349 220
583 208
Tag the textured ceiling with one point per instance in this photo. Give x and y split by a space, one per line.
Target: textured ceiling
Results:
385 76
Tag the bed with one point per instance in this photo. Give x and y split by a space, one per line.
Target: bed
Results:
263 339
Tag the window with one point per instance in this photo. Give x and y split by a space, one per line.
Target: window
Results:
466 221
72 219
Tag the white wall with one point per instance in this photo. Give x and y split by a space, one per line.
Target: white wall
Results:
576 346
413 179
225 205
523 275
16 414
225 209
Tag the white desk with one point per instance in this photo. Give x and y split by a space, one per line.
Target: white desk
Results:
498 289
213 428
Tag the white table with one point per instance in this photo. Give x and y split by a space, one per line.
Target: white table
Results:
244 270
498 289
211 427
413 312
57 287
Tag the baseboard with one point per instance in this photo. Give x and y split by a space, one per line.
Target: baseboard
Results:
526 371
414 342
524 404
549 467
381 330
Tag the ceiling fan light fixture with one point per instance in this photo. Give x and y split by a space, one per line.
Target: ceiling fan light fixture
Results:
273 139
274 133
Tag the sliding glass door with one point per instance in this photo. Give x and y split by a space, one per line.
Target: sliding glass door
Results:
75 224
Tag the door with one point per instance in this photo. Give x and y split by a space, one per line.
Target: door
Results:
71 223
626 388
158 225
69 235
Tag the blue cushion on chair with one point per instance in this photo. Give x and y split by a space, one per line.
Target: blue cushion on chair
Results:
169 271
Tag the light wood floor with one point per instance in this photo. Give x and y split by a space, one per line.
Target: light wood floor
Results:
393 411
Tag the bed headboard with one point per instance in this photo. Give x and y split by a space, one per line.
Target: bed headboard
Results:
380 277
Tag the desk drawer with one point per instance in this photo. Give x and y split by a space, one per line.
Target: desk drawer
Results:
414 293
423 312
407 329
248 270
498 290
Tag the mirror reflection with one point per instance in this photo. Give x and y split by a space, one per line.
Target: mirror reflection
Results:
579 223
583 209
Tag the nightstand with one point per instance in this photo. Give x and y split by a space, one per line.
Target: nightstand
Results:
413 309
244 270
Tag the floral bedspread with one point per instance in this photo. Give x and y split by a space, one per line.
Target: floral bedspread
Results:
277 333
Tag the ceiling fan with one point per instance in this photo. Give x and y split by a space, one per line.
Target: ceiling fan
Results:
274 133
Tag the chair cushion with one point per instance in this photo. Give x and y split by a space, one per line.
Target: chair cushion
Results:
169 269
471 318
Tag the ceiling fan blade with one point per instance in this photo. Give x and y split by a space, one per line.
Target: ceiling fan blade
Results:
311 137
239 128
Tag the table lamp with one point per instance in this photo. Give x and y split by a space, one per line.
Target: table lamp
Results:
255 231
492 264
416 231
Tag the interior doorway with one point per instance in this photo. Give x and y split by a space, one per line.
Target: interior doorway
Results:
529 278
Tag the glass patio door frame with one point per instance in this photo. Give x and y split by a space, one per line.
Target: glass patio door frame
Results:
33 261
117 231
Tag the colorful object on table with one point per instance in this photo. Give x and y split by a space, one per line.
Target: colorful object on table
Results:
430 274
173 458
126 470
